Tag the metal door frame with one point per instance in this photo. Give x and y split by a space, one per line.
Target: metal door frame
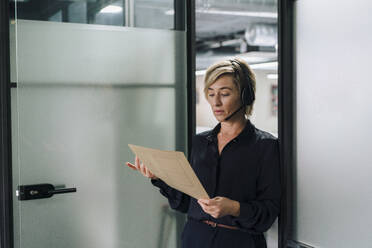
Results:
6 203
286 117
6 191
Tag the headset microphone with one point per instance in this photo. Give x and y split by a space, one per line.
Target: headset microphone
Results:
228 118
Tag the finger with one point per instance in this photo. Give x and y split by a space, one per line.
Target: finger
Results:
137 162
143 170
211 209
132 166
206 208
202 205
210 202
204 201
147 172
151 174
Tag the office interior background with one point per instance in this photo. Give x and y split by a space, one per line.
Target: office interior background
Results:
90 76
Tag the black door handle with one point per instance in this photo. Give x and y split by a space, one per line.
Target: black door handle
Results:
40 191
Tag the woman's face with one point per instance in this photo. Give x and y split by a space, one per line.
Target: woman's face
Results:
224 97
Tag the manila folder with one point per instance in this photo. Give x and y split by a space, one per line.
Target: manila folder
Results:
173 168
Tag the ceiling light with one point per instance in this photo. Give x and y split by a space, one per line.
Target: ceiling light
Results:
272 76
259 66
273 15
169 12
265 66
111 9
200 73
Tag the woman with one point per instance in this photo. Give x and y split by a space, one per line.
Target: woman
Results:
237 164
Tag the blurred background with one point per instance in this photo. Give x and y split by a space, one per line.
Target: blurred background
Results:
245 29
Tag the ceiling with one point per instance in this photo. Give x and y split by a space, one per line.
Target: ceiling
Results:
221 30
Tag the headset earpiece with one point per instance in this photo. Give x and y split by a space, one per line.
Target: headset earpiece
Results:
247 93
246 97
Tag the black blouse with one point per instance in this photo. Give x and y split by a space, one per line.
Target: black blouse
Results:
247 170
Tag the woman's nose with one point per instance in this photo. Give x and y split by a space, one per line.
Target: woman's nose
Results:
217 101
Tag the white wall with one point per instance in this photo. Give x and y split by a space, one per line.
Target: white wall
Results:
334 119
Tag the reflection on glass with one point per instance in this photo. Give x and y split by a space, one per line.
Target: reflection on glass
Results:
158 14
154 13
247 29
84 11
111 14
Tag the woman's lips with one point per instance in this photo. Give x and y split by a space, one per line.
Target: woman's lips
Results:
218 112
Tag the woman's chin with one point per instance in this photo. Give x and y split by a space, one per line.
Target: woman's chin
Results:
219 118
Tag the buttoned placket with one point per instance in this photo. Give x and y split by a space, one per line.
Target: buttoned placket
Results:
214 142
219 158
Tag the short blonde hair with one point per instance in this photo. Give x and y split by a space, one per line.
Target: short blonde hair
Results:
229 67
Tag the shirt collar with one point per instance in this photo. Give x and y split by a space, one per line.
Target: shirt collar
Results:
246 132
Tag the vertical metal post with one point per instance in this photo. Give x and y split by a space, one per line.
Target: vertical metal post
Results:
129 13
179 15
182 75
191 90
286 117
184 20
6 212
126 12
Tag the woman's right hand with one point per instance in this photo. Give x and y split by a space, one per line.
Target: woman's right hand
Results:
138 166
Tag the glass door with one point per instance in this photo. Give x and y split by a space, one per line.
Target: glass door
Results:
85 86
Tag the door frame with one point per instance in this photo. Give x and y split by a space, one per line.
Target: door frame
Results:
6 184
6 202
286 115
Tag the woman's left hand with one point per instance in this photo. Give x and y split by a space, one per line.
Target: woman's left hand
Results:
220 206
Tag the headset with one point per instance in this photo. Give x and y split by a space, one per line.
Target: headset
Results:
247 93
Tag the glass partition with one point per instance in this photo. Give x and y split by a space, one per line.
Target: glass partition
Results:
84 92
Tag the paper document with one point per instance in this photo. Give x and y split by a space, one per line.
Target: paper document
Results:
173 168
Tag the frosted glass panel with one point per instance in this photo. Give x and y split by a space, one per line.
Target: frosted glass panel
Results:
85 92
94 54
334 119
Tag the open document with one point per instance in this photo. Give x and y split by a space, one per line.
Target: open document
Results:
173 168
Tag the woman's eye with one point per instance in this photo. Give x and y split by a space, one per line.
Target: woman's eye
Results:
225 94
211 95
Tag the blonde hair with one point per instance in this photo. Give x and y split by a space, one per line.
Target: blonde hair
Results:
229 67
